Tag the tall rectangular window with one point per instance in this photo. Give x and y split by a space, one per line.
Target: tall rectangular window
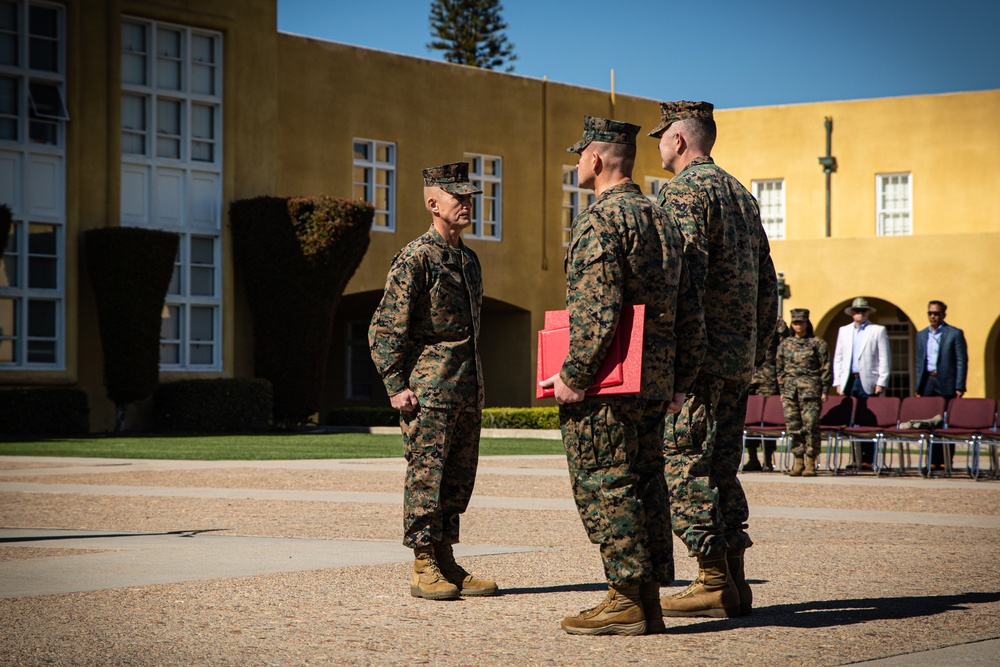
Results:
33 118
486 173
375 180
901 359
894 205
574 200
770 196
171 143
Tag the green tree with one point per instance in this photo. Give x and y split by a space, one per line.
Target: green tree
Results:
470 32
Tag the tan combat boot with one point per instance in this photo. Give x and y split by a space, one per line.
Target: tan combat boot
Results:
711 594
649 596
810 469
799 466
457 575
734 560
619 614
427 581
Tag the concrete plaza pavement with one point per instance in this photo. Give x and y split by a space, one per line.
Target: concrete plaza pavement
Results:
129 562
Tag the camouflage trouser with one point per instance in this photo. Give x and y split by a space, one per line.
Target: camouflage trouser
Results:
442 452
702 446
802 422
614 453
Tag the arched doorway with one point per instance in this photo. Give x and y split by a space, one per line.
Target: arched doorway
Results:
991 370
901 332
505 343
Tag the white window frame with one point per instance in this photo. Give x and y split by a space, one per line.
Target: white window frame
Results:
385 217
481 180
899 210
772 213
179 193
572 201
356 335
34 187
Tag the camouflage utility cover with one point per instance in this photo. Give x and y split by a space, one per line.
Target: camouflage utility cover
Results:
606 130
671 112
453 178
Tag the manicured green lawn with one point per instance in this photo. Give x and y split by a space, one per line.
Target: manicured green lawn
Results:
252 447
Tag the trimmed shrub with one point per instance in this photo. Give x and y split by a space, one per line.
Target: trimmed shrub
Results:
295 256
44 411
6 220
532 418
224 405
130 270
535 418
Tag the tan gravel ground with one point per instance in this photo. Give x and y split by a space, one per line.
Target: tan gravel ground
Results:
827 592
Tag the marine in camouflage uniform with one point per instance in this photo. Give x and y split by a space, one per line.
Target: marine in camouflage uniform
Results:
729 256
765 383
803 367
624 252
424 340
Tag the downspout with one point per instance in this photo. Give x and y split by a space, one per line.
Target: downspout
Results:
545 166
829 164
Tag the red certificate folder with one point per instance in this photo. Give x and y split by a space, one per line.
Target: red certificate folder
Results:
621 372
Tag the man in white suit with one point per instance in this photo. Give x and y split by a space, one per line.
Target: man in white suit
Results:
861 361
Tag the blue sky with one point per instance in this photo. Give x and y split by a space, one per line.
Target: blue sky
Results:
731 52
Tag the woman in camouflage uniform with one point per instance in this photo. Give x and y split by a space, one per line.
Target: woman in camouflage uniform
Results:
803 365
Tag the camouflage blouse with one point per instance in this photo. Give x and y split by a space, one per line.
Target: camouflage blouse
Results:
804 364
729 255
425 332
624 251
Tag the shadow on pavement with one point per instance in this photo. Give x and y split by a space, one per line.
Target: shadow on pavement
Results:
46 538
829 613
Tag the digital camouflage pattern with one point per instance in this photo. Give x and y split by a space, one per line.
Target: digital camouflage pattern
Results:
424 336
728 256
624 252
804 375
671 112
703 444
453 178
425 332
606 130
728 253
441 448
765 378
615 462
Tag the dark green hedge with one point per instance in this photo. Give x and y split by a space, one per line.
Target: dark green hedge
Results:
225 405
533 418
130 271
544 418
6 219
295 257
44 411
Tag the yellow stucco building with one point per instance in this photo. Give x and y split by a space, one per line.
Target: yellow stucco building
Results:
160 113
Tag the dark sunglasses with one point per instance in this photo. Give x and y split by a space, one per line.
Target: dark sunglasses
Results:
934 313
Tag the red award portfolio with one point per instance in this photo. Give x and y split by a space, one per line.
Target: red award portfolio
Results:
621 372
